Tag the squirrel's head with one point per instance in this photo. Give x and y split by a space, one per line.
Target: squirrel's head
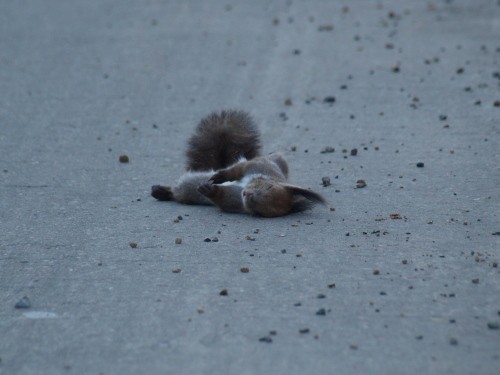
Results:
270 198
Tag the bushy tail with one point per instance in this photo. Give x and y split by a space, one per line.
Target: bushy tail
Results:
221 139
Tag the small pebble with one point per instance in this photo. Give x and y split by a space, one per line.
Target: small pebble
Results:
360 184
453 341
133 244
244 269
420 164
329 99
493 325
325 181
266 339
354 152
327 150
176 270
223 292
475 281
123 159
178 241
376 272
304 331
328 27
23 303
321 312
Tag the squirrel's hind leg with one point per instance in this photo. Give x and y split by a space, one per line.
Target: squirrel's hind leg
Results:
186 190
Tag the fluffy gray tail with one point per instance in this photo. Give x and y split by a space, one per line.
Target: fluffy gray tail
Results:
221 139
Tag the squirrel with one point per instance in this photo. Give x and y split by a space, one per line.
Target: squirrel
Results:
225 168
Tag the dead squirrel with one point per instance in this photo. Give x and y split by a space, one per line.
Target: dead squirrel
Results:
224 168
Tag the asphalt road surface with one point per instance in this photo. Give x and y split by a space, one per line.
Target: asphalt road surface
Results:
398 277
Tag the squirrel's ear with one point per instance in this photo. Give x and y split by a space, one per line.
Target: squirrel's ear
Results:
301 204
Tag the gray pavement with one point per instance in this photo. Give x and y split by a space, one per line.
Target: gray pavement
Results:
347 289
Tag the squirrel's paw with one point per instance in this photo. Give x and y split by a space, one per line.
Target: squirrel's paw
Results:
219 177
208 190
162 193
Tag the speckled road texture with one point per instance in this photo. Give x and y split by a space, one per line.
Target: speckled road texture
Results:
397 277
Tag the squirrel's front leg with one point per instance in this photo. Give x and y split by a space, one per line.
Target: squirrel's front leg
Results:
234 173
226 197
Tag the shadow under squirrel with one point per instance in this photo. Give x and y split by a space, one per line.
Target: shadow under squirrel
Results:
225 169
